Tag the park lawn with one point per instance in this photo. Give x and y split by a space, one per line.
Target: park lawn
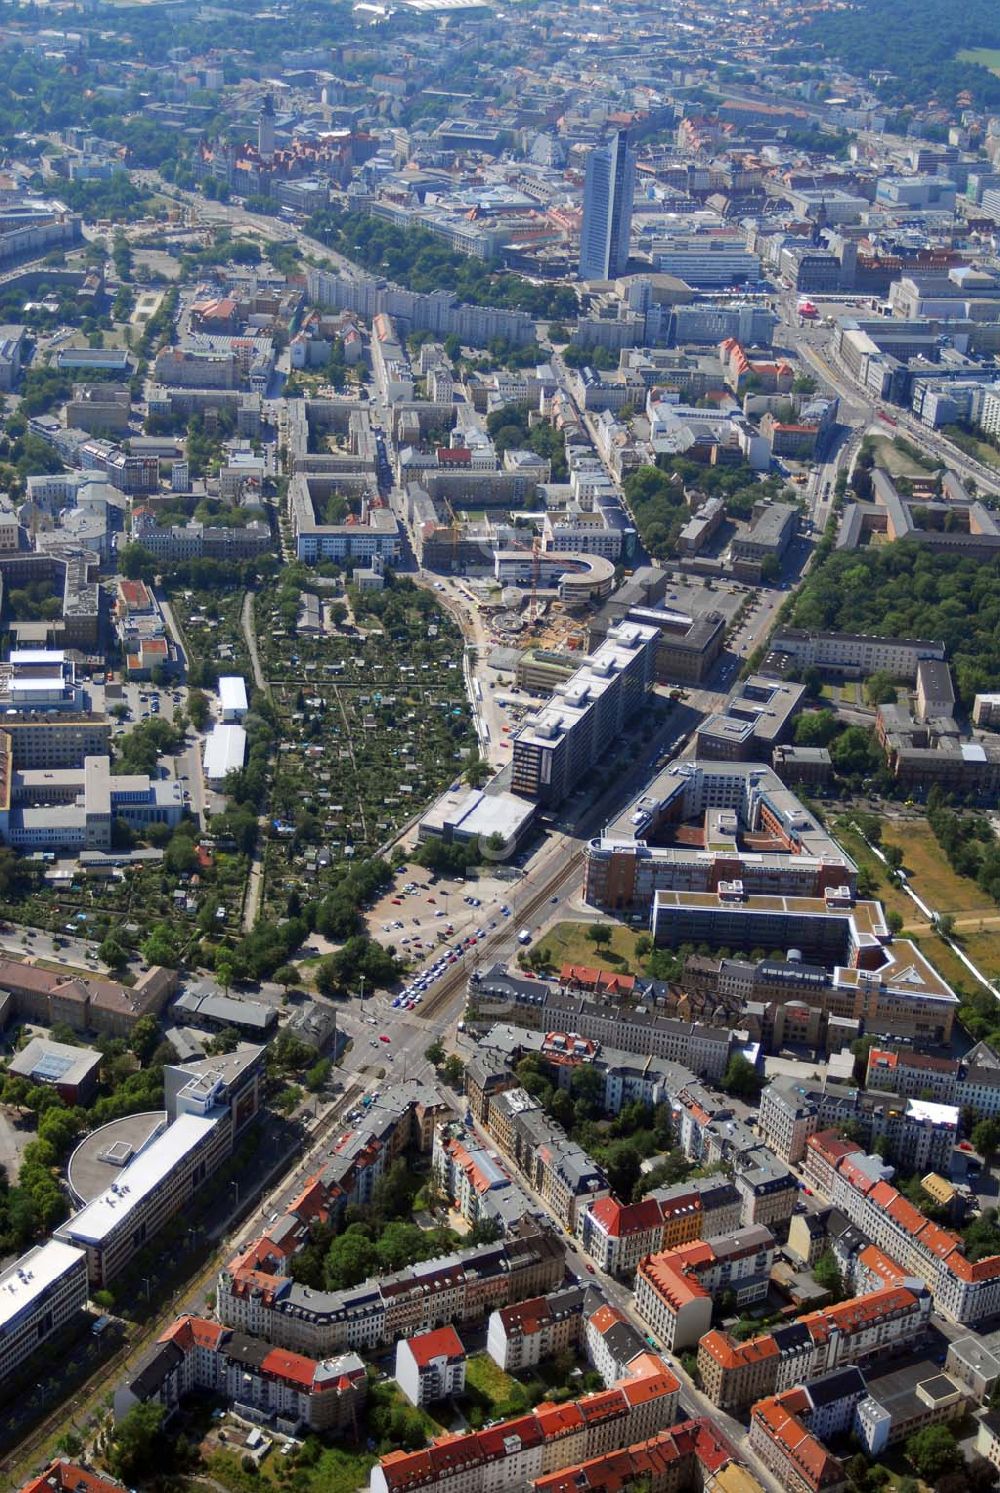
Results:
338 1470
488 1383
890 896
896 462
933 879
988 57
984 951
979 450
567 943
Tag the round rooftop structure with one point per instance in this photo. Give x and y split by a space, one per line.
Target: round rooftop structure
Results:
100 1157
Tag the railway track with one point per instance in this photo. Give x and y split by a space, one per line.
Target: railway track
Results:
526 912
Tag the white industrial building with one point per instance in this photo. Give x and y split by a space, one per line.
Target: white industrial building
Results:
233 697
225 752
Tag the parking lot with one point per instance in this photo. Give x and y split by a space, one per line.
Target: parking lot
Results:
433 922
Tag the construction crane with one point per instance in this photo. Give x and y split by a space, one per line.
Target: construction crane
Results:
536 570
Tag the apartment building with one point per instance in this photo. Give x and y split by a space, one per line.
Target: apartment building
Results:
618 1235
69 1477
525 1333
964 1290
374 530
786 1430
622 1031
473 1178
41 1294
583 722
390 363
558 1170
256 1293
430 1366
735 1375
972 1082
920 1134
514 1452
287 1390
692 1454
674 1290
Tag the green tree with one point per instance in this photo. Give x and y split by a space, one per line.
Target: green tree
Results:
741 1078
136 1452
111 953
827 1273
453 1070
816 728
145 1038
880 688
435 1053
986 1137
933 1452
599 934
159 947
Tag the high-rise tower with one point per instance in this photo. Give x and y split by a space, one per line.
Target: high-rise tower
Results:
265 130
607 210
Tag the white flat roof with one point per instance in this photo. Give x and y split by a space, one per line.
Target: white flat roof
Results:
37 656
225 750
938 1114
141 1177
233 692
30 1276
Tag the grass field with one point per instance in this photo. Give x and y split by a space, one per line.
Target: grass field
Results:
896 462
978 450
487 1383
567 943
977 918
933 878
890 896
983 57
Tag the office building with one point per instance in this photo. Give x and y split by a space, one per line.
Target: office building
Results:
41 1293
608 193
28 993
74 809
71 1071
209 1104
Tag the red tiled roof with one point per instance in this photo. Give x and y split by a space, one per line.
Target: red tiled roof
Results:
442 1343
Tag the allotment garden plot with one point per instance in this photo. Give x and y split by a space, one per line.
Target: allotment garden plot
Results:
373 722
